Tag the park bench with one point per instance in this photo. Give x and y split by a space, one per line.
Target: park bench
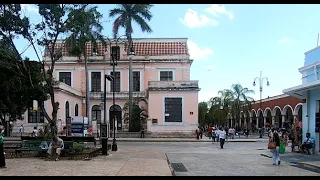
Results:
33 146
77 139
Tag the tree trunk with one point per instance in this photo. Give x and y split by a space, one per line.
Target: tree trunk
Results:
53 122
87 87
130 84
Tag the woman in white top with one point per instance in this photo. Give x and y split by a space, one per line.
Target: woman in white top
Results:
222 137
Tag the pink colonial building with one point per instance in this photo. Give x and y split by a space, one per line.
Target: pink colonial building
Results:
161 74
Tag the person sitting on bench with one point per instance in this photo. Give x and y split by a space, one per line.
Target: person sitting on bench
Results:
57 145
307 144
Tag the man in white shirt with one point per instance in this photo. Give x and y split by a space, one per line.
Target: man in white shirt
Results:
222 137
217 131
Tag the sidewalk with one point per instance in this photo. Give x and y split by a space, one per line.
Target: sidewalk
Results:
205 139
127 161
304 161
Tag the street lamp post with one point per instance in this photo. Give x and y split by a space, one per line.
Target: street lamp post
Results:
260 79
115 56
104 140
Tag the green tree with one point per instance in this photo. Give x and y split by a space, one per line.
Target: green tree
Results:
202 112
139 115
241 100
85 27
231 101
53 26
20 81
17 93
125 15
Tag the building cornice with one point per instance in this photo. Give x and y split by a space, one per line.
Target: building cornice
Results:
271 98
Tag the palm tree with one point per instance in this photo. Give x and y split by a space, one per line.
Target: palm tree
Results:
126 15
241 99
231 101
85 26
220 105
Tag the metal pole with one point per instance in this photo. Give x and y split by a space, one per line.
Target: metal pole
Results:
114 143
260 89
105 100
104 140
37 120
82 126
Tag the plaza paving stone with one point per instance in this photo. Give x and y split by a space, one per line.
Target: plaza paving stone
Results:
151 158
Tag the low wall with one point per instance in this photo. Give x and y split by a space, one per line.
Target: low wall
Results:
132 134
173 135
156 135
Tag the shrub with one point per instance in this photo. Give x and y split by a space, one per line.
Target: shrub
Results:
78 147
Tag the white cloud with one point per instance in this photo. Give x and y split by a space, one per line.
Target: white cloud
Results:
217 10
28 8
197 52
285 40
193 20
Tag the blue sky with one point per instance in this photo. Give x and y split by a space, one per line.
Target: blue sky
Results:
232 43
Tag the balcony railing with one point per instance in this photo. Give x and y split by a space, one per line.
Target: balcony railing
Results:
64 87
173 85
118 95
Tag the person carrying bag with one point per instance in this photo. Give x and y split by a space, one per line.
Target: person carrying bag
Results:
274 146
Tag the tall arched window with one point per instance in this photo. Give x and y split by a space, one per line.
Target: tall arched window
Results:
67 110
96 113
76 109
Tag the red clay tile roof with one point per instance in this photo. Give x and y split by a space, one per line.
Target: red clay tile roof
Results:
145 47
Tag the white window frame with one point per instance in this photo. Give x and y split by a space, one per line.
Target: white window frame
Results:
102 76
121 80
141 79
58 75
163 110
173 73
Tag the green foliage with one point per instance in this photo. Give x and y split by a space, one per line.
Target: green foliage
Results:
84 26
230 102
12 24
21 82
45 132
128 13
202 112
78 147
125 14
139 115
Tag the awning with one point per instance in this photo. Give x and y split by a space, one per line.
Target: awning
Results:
301 90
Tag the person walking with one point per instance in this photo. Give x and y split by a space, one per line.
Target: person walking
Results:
222 137
276 152
214 135
217 131
21 130
200 132
142 132
2 158
210 132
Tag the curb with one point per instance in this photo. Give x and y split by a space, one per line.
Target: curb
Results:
310 167
170 167
265 155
